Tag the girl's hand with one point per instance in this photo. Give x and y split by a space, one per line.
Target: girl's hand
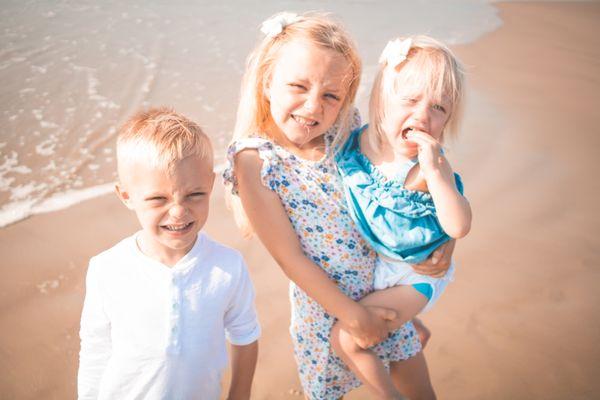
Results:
370 326
431 159
439 261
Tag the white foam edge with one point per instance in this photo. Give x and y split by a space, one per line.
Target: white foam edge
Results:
17 211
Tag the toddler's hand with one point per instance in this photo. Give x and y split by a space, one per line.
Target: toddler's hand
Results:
439 261
431 160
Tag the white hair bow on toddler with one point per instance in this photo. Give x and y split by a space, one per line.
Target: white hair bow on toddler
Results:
275 25
395 52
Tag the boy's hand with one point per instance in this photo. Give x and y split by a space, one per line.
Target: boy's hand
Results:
439 261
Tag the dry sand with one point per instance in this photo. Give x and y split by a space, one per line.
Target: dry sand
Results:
521 319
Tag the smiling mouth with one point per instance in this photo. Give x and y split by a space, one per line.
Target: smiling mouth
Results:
178 227
405 132
305 121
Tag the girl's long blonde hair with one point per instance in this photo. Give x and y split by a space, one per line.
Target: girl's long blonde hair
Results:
254 115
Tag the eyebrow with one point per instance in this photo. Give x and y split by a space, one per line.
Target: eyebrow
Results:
328 87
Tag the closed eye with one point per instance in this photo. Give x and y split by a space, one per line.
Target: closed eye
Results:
297 86
332 96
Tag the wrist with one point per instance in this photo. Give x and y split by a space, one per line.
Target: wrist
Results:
353 315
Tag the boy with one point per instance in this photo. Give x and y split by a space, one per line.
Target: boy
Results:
160 303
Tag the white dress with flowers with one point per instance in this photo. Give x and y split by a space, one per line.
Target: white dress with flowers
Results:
313 198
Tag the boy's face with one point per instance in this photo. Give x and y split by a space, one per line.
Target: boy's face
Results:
171 205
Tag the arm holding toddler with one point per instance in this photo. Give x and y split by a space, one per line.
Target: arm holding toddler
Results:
271 224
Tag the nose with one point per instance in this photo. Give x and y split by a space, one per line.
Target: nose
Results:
177 210
421 113
312 103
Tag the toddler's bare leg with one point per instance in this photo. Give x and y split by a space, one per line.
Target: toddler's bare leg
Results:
407 302
364 363
411 377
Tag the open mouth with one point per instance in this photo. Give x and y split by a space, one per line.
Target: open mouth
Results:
178 228
406 131
305 121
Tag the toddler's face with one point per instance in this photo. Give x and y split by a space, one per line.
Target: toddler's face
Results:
417 111
306 92
171 205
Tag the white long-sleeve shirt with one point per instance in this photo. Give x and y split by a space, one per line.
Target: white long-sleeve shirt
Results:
153 332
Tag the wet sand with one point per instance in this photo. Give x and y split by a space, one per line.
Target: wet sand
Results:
521 319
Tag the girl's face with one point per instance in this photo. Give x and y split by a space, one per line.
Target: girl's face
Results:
306 91
417 111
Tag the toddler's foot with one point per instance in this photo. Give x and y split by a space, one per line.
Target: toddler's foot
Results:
423 332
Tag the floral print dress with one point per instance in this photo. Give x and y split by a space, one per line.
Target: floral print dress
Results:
312 196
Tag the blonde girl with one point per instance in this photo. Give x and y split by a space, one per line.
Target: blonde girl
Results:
401 190
296 105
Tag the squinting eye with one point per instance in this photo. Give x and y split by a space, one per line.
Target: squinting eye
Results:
197 194
439 107
332 96
297 86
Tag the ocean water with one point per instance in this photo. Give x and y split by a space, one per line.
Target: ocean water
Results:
72 72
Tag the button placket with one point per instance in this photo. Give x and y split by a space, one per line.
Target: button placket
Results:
175 316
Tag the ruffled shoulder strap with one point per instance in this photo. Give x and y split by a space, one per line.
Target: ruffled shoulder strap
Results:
267 153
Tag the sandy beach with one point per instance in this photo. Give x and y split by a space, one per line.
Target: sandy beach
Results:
521 319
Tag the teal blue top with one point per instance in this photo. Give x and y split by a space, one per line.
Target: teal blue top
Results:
399 223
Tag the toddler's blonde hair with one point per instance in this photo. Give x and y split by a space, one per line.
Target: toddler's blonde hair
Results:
254 115
429 67
160 137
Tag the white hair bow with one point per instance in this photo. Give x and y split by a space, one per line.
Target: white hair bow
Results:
275 25
395 52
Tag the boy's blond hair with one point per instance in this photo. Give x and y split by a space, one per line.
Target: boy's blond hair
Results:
160 137
430 67
254 115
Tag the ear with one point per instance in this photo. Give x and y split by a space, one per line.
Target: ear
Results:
266 86
213 181
123 196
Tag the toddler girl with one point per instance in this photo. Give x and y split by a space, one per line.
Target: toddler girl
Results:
301 80
401 190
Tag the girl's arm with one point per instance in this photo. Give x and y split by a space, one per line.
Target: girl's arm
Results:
271 224
453 209
439 262
243 363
